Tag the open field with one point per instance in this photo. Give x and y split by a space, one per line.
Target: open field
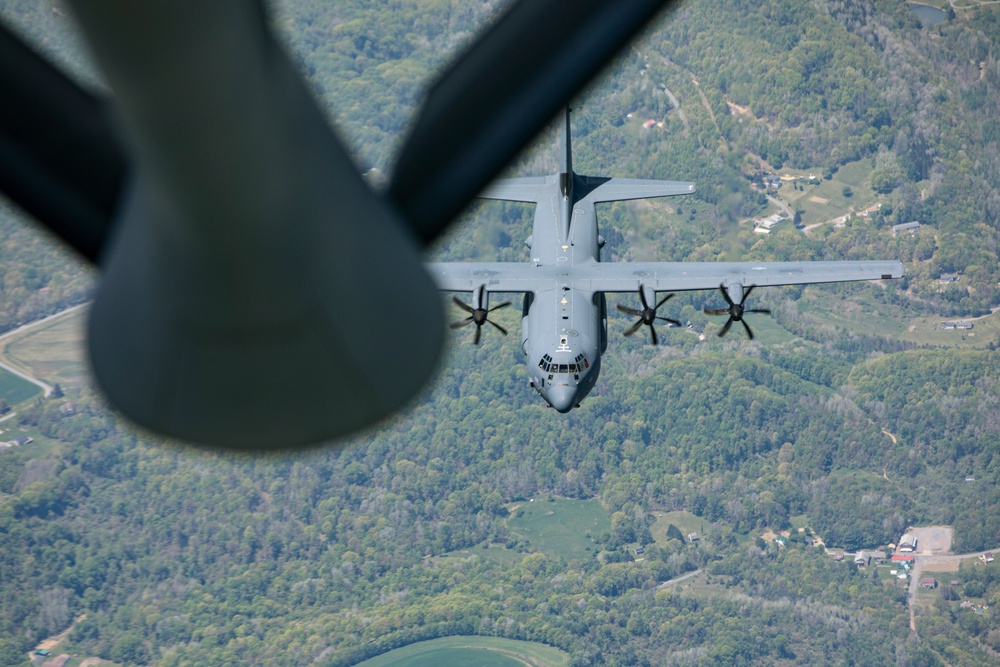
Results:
471 652
561 527
14 389
53 352
858 315
861 314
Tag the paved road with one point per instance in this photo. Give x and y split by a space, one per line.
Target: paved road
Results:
782 205
677 580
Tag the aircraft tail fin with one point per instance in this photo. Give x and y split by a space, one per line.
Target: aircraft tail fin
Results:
565 152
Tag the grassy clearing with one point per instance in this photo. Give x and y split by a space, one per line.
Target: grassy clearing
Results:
493 552
561 527
685 521
765 330
53 352
927 331
858 315
471 652
853 175
15 390
41 446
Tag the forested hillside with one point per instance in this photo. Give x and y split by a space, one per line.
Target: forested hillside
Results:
834 421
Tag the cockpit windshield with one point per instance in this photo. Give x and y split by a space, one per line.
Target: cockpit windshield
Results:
578 365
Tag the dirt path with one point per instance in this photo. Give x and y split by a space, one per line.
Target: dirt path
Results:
54 640
708 107
677 105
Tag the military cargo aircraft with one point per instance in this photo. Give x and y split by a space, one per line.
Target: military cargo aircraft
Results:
564 324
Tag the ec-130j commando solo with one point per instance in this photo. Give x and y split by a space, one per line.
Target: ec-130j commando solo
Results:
564 325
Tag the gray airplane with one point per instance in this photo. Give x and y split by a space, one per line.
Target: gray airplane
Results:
564 324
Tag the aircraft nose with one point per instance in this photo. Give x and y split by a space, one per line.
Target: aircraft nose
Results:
562 397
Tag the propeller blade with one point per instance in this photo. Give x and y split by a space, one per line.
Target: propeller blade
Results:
642 298
725 295
502 305
629 311
652 334
725 327
461 304
499 94
763 311
747 327
632 329
461 323
479 332
716 311
664 300
670 320
746 293
500 328
62 160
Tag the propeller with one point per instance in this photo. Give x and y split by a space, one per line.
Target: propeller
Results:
647 316
213 194
736 311
477 316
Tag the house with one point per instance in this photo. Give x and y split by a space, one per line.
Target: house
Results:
838 556
639 551
649 123
861 559
764 226
692 537
907 543
902 558
879 557
781 541
927 582
906 226
986 557
948 278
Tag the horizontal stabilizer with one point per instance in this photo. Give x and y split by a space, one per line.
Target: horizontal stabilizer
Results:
621 189
532 189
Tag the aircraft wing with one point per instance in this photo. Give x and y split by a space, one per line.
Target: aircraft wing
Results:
494 276
680 276
659 276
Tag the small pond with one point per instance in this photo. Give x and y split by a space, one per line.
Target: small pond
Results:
927 15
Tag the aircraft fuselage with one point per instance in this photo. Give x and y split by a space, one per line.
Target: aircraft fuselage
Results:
564 327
